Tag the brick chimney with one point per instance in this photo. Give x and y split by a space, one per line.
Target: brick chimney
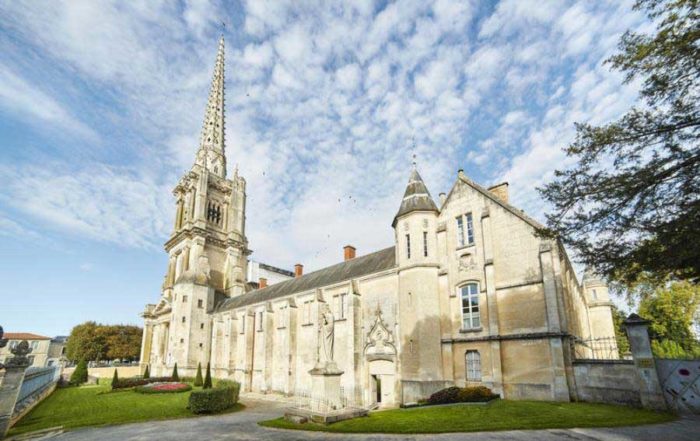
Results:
262 283
348 252
500 191
298 270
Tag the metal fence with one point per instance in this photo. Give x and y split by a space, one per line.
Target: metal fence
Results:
36 380
604 348
303 399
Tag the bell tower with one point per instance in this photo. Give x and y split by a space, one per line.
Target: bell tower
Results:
208 248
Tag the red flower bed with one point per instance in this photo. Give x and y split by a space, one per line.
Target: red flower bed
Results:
170 386
163 388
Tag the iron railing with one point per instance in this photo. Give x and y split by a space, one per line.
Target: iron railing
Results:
602 348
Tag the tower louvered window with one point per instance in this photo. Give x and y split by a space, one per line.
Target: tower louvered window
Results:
214 213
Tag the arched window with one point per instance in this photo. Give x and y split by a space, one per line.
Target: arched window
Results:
472 365
471 317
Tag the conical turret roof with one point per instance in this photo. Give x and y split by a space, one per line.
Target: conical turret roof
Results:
416 197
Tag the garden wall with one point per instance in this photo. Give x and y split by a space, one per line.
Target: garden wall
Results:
107 372
607 381
38 384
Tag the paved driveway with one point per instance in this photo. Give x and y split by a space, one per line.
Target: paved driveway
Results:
242 426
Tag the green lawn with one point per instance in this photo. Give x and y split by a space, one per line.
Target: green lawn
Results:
499 415
90 406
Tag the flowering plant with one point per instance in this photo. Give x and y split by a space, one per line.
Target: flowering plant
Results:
161 388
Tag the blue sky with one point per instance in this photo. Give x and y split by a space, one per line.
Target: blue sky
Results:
101 104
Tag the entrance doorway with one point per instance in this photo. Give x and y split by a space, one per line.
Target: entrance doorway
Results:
377 388
381 373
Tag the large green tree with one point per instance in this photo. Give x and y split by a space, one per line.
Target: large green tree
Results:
123 342
86 342
91 341
672 310
630 203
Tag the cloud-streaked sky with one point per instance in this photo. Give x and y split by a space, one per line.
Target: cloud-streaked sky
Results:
101 105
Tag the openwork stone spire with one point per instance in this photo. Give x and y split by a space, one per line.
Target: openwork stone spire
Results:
211 154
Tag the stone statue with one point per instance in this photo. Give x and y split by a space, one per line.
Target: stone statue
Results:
327 330
20 353
3 343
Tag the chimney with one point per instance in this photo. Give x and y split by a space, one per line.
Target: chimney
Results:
443 196
500 191
262 283
298 270
348 252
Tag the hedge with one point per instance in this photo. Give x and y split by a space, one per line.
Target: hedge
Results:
462 395
80 374
220 398
124 383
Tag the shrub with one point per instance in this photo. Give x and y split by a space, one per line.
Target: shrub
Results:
220 398
163 388
174 376
125 383
198 379
456 394
207 378
147 373
115 378
80 374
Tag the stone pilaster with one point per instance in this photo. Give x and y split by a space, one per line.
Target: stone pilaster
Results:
560 383
492 304
650 390
12 382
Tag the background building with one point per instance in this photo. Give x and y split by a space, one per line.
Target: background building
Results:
45 350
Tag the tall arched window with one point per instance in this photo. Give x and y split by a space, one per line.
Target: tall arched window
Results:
470 306
472 365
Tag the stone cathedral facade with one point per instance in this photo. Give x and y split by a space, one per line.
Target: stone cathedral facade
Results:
468 295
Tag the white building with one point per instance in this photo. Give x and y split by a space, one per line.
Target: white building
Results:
468 295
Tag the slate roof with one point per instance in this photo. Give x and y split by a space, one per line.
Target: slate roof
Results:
416 198
360 266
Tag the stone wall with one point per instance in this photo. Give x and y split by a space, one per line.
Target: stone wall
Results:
412 391
107 372
607 381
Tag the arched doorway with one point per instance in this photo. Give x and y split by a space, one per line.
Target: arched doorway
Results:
380 354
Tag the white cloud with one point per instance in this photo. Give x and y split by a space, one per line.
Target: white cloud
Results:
324 101
17 95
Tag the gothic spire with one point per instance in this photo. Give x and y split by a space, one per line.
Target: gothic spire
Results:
211 154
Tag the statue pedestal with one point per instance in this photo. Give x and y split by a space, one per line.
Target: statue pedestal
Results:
325 388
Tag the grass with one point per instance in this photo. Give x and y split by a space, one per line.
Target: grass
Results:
499 415
97 406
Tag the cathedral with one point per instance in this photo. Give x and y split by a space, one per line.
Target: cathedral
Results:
468 295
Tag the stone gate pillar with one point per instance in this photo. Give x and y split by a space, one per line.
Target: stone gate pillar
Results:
650 391
12 382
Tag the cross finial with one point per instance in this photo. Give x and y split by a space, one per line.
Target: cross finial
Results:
413 145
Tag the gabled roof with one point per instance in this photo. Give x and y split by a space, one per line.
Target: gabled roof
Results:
348 270
415 198
24 336
484 191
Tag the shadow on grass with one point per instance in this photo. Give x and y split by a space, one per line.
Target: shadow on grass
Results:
79 407
501 415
